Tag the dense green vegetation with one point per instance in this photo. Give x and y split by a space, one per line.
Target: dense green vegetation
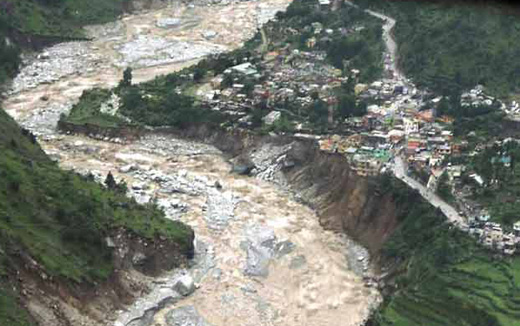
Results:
444 189
355 41
21 19
60 219
452 44
497 165
160 102
483 120
442 277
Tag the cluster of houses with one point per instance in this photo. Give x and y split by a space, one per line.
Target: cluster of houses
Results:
367 154
282 76
396 126
493 236
476 97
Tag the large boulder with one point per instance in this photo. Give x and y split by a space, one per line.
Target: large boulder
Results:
168 22
185 316
242 169
184 285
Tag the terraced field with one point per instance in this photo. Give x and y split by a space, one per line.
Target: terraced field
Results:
445 277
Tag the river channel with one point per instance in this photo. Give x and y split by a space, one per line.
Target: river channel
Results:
262 257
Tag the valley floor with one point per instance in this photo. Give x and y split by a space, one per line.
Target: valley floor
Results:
262 257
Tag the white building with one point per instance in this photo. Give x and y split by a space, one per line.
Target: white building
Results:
411 126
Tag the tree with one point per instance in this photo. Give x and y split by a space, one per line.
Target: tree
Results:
110 182
319 114
127 78
347 106
122 187
198 74
444 188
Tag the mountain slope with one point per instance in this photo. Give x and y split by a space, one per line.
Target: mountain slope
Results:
56 222
446 45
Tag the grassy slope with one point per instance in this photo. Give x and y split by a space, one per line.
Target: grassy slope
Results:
59 17
445 277
446 44
60 219
87 111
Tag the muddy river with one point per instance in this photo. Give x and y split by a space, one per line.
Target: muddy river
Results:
262 257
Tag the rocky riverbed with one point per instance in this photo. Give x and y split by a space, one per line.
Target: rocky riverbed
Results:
261 256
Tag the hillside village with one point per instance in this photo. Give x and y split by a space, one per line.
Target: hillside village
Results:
398 120
297 79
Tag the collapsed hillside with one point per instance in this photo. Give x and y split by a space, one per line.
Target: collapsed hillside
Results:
68 247
430 272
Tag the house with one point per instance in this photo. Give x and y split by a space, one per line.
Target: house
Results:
504 160
412 147
456 148
455 171
478 179
509 244
246 69
433 181
352 151
323 4
317 26
426 115
411 126
311 42
365 166
484 217
516 229
447 135
443 150
360 88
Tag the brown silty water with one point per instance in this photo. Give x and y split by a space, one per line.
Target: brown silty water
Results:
310 284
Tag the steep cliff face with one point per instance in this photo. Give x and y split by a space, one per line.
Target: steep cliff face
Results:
60 302
344 201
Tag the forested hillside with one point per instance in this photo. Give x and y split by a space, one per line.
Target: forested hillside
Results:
58 220
450 44
440 275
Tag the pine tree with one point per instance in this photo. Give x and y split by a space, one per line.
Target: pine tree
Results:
110 182
127 78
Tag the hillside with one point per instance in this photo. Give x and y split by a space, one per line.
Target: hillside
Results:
30 23
54 224
60 220
440 275
445 45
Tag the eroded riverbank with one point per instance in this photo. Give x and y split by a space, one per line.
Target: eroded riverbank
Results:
262 257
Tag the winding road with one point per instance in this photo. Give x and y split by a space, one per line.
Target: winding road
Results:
399 168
